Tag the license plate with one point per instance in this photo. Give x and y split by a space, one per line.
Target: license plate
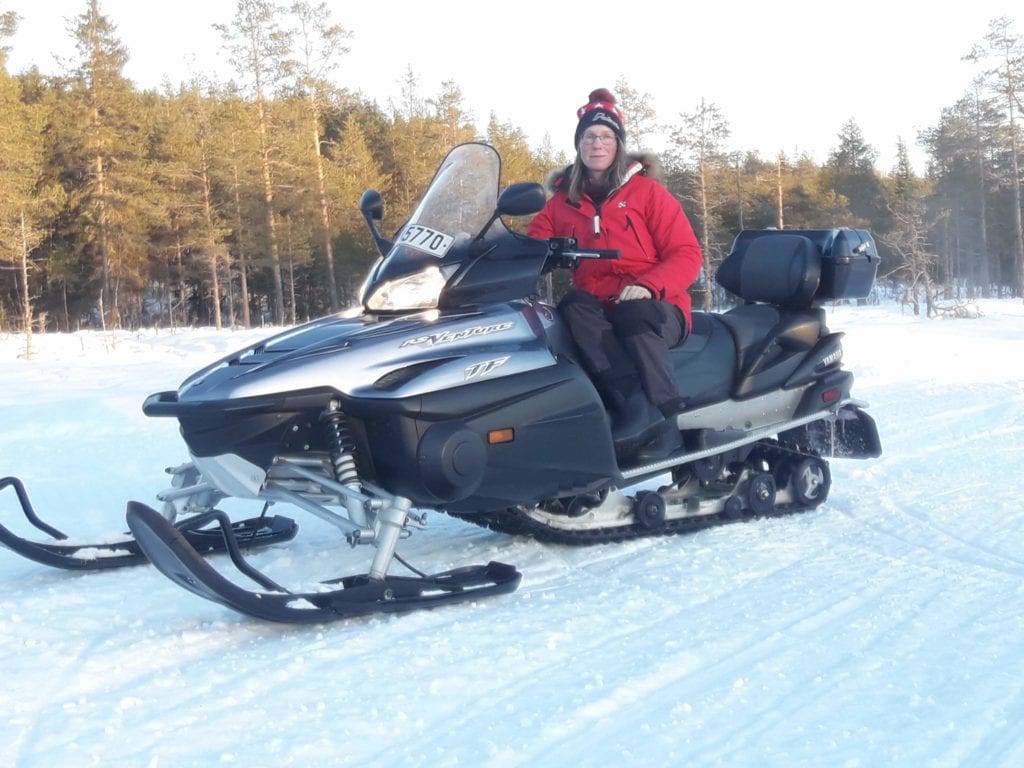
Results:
426 239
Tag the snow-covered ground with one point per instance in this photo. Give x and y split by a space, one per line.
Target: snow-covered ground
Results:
885 628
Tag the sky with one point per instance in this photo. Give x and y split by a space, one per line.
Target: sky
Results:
786 76
884 628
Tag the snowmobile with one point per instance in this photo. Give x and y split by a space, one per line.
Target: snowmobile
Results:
455 388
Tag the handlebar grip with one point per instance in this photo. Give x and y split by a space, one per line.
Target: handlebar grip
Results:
563 253
595 253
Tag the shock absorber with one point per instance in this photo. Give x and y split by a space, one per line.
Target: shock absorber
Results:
341 445
342 449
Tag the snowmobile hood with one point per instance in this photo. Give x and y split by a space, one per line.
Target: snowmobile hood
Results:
370 356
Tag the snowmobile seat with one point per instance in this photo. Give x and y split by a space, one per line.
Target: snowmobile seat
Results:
770 343
742 352
749 325
705 363
756 346
777 274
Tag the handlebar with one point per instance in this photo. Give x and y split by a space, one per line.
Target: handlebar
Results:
596 253
562 252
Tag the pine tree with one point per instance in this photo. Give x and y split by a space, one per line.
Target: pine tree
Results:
237 175
25 204
104 164
259 49
700 142
965 162
187 144
517 161
1006 77
353 170
454 120
908 237
639 114
419 141
850 171
320 42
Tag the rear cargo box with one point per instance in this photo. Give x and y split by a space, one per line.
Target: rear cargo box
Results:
849 258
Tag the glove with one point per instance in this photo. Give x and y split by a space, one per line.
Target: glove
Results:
631 292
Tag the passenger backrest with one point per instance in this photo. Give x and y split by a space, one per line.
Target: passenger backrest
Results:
782 269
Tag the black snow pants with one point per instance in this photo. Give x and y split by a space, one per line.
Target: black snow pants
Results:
627 344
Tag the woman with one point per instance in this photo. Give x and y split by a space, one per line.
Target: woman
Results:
625 314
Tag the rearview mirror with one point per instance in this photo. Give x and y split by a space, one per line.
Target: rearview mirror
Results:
521 199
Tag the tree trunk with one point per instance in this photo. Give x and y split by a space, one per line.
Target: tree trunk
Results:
26 298
325 211
778 192
101 224
984 276
709 295
212 246
268 199
1018 228
739 195
182 288
243 278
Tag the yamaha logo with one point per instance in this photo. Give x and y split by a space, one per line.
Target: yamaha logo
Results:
831 359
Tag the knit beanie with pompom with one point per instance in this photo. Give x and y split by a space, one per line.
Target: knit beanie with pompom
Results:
600 109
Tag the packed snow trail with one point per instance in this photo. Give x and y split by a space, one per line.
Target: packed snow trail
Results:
884 628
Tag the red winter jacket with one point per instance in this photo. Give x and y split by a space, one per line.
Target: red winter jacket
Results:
644 222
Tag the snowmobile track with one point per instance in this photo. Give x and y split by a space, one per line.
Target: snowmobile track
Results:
518 522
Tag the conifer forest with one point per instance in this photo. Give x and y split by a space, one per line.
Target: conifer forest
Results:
235 203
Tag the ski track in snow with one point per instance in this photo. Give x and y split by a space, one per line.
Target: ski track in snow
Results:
884 628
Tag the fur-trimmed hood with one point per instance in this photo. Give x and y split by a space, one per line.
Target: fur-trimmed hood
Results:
650 166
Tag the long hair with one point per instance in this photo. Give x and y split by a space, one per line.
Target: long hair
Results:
611 178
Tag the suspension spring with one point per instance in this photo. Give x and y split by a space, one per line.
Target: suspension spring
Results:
341 446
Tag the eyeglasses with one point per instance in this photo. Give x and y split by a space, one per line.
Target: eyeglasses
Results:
598 138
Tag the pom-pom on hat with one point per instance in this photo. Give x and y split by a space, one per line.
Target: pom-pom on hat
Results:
600 109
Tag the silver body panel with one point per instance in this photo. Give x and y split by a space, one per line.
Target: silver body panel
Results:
351 355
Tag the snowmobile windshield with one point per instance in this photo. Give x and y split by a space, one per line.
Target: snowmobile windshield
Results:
439 237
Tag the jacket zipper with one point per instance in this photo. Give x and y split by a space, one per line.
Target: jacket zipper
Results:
634 169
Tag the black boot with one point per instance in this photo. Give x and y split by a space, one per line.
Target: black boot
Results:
666 441
634 419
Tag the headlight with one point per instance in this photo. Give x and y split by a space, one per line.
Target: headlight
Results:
418 291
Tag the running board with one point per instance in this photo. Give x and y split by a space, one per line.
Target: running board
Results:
753 436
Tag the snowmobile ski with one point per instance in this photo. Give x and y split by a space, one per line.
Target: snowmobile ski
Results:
170 550
95 556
